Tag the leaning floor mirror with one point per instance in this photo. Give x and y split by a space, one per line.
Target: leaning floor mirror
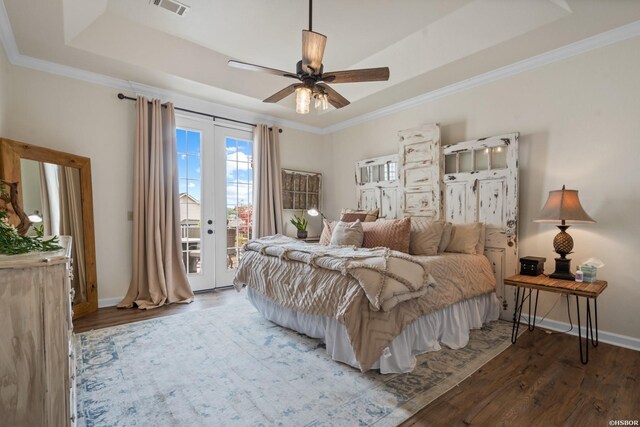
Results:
54 189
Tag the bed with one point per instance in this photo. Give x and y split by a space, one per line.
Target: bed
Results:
366 317
377 308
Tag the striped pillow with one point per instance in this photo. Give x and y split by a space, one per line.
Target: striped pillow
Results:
425 236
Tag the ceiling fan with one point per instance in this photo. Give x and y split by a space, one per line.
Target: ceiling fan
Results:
313 79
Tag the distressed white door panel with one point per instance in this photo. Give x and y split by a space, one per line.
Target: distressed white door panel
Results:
389 202
419 150
421 201
420 176
497 259
491 197
456 202
421 165
378 185
368 199
488 195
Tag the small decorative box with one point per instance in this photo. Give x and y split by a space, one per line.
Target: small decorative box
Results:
532 265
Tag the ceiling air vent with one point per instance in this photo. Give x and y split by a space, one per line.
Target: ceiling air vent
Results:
172 6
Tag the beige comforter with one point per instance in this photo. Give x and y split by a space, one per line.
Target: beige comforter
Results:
375 293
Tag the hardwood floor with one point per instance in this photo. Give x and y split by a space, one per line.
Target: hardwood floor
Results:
537 381
111 316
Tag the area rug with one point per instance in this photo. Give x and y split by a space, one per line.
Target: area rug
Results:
227 366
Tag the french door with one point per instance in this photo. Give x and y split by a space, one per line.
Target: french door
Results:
215 180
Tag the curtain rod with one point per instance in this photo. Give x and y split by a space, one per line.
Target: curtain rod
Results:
123 96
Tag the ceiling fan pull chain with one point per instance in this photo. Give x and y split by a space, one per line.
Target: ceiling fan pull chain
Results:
310 14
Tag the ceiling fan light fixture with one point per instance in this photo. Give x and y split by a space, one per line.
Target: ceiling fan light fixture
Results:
321 100
303 100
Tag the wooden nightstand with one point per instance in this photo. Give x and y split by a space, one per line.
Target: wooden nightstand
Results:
589 291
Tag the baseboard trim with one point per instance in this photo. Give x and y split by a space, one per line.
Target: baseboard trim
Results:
109 302
603 336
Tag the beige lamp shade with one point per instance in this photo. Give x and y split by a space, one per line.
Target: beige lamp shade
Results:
563 205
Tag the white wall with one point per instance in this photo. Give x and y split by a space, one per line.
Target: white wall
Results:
305 152
579 124
4 84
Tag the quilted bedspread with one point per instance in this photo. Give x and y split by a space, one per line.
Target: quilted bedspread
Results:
375 293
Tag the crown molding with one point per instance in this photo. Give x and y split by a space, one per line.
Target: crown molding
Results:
606 38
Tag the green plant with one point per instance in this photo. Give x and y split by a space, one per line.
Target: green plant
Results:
12 243
300 222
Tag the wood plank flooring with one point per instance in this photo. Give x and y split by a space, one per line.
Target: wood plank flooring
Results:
539 381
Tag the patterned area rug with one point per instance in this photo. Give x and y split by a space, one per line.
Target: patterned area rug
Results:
228 366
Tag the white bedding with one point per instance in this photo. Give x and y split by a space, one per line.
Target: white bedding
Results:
449 326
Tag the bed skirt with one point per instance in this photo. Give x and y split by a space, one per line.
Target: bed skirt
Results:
449 326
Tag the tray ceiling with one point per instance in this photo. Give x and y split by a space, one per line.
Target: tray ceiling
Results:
427 44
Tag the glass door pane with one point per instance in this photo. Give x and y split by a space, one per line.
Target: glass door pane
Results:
234 192
194 140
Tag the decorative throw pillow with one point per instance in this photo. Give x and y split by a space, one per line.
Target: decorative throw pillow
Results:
446 237
353 217
425 236
483 235
372 214
393 234
347 234
327 231
464 238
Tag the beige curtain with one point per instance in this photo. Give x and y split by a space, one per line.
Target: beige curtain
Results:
158 275
71 225
268 183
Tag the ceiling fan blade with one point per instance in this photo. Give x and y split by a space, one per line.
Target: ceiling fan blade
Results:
260 68
282 94
312 51
334 97
353 76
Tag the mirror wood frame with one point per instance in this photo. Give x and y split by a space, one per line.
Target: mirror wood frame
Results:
11 152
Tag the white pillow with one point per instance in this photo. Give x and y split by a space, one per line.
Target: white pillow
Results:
425 236
347 234
464 238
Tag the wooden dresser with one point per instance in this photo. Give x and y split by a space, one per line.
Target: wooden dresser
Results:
37 359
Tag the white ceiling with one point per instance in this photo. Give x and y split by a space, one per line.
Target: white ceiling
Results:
427 44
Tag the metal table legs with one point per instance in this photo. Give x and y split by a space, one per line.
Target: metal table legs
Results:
522 296
584 355
517 313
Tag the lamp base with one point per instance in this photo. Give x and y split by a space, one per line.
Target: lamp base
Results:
563 270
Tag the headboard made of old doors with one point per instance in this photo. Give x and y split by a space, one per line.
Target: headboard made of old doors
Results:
378 186
481 185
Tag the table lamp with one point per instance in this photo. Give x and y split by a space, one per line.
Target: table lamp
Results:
316 212
563 206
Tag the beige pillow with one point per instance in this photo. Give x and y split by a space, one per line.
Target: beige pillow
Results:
347 234
327 231
372 214
483 235
464 238
446 237
393 234
425 236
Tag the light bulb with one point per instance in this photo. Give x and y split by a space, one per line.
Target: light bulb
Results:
325 101
303 99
